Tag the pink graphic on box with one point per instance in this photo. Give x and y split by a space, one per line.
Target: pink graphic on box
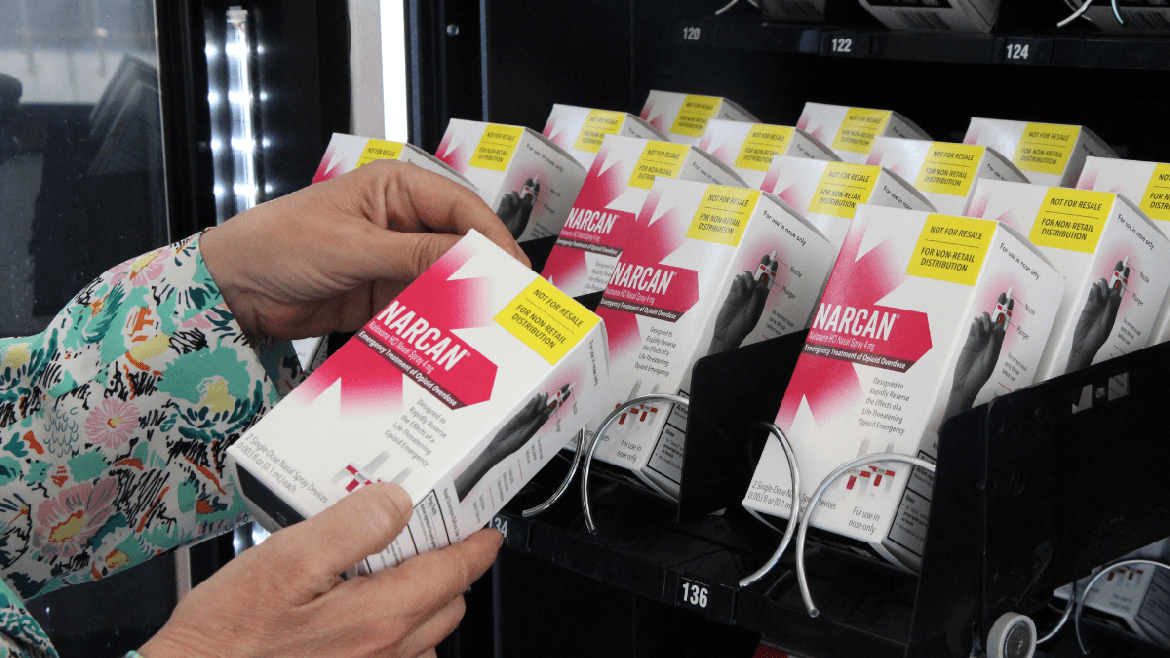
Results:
656 121
979 206
328 169
875 158
642 284
413 337
723 153
971 138
591 222
825 375
802 123
558 138
458 158
1088 180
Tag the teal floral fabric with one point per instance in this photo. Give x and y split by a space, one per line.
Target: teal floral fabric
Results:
113 428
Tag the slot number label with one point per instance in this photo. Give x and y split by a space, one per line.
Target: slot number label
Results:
842 46
1017 51
694 595
691 33
501 524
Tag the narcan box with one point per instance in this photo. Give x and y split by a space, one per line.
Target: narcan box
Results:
924 316
1048 153
684 117
1146 184
828 193
850 131
529 181
932 15
618 182
459 391
707 268
348 152
945 173
748 148
1116 265
580 130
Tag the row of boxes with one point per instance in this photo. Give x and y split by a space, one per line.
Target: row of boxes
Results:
933 276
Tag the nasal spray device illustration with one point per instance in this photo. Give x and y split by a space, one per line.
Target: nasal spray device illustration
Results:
558 399
764 270
1003 310
529 191
1120 278
360 477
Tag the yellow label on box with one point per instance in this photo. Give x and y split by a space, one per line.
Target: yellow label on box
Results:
379 149
693 116
598 124
951 248
1156 201
496 147
547 320
761 144
1046 147
723 215
843 185
859 129
658 159
949 168
1071 219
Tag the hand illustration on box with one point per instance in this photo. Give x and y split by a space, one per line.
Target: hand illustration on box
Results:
1097 317
743 305
516 207
511 437
979 355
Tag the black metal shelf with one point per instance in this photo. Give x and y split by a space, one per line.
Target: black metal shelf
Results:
1013 518
1076 50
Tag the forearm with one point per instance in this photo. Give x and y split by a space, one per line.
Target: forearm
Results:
1079 358
122 411
475 472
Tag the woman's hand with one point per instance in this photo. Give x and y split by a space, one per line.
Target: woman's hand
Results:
284 597
330 256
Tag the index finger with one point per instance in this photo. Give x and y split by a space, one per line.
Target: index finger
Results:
432 579
412 194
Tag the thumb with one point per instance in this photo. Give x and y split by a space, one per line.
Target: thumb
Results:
359 525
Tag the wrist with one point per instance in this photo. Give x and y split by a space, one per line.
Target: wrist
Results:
213 248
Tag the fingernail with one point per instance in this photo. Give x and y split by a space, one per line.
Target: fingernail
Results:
400 497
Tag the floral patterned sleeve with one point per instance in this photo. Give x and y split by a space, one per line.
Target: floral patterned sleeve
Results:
113 427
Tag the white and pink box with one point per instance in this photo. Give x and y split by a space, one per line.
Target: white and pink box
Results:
619 180
1148 185
924 316
850 131
748 147
580 130
348 152
460 391
706 269
684 117
828 194
1048 153
1137 596
1115 262
529 181
945 173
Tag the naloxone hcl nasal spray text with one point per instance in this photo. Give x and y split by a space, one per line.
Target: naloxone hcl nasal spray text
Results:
684 117
850 131
829 193
748 147
348 152
619 180
706 269
906 333
1146 184
1116 265
529 181
945 173
580 130
1047 153
460 390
